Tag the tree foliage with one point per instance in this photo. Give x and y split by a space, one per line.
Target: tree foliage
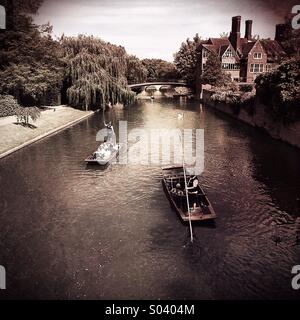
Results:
8 106
34 68
290 38
186 59
24 6
236 99
25 114
136 71
30 65
279 90
158 69
213 73
96 72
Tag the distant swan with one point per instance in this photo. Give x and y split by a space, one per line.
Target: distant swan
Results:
180 116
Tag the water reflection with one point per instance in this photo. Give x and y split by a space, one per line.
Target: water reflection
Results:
71 231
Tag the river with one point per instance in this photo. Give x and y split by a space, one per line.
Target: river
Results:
69 231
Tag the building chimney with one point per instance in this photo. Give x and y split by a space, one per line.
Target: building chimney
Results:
235 34
248 32
282 32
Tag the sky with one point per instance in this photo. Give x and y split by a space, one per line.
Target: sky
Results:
156 28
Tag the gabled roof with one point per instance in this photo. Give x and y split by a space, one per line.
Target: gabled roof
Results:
223 49
247 47
219 41
199 47
219 45
210 47
273 49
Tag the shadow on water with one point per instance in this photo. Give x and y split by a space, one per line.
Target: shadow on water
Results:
275 164
97 167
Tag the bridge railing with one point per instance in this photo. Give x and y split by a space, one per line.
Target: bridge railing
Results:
159 80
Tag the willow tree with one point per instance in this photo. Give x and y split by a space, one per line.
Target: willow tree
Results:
96 72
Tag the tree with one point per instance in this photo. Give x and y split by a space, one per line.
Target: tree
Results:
213 73
136 71
30 64
96 71
19 8
25 6
8 106
291 41
158 69
24 114
35 69
186 59
32 84
279 90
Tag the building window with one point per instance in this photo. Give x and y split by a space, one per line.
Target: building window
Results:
230 66
257 55
256 68
205 53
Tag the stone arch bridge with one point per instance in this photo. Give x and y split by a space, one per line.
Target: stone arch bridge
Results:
157 84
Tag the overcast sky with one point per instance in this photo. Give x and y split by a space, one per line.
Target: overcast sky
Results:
156 28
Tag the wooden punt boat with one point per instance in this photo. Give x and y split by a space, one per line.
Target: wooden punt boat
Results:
200 207
105 159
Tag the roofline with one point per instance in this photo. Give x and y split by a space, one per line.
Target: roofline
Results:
258 40
232 48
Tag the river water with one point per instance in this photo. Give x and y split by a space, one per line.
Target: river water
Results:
72 231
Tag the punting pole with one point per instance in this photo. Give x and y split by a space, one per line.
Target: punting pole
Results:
188 203
186 191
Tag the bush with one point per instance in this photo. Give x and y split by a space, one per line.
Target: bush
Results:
8 106
246 87
226 96
247 102
236 100
182 90
279 90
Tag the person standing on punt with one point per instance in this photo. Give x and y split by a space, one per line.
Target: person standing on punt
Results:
110 136
193 190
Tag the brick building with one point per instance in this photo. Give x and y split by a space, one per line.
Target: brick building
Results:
243 58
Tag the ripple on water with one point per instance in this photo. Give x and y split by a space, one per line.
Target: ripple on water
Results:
112 234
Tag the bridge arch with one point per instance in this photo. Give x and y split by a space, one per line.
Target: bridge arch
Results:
158 84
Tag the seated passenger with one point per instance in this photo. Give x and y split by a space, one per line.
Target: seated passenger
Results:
177 190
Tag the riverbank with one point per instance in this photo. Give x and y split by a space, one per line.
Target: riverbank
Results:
16 136
258 118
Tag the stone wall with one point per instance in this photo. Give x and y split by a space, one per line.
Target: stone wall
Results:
260 119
